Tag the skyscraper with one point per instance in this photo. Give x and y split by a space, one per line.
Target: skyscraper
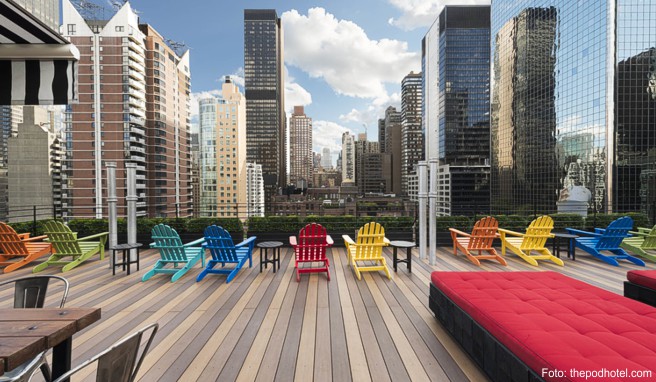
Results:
300 147
265 111
460 107
223 153
392 145
133 107
254 190
412 137
326 158
570 105
348 158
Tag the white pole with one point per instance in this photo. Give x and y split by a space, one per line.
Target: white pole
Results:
131 199
423 195
111 201
432 211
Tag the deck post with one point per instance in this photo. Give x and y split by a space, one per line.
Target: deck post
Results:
432 211
131 199
111 201
423 195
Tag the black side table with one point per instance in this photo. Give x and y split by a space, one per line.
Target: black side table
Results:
126 256
408 245
264 254
571 244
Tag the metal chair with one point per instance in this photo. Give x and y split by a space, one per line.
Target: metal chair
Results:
30 292
119 363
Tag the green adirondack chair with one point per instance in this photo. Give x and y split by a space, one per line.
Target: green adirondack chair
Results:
642 241
68 250
174 253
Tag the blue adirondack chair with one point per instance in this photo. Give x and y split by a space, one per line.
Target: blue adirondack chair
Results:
608 239
174 253
223 251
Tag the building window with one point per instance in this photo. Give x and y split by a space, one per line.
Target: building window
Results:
71 29
119 28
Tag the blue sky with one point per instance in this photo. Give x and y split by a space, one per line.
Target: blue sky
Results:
345 59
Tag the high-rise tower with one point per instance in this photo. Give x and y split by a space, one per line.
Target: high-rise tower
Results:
300 147
265 109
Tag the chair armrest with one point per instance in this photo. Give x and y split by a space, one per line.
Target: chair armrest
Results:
458 232
292 241
644 229
152 245
329 240
194 243
348 240
96 236
35 238
24 236
246 242
600 230
509 232
386 241
579 232
639 233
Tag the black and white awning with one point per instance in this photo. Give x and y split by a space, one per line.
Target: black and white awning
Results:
37 65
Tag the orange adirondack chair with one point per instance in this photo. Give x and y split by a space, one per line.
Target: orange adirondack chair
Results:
481 238
311 247
20 249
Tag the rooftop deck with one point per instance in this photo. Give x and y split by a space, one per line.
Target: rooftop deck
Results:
266 326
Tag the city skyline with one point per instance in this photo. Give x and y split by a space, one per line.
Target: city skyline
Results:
372 45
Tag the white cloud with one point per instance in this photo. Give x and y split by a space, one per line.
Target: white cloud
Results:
373 111
422 13
295 94
328 134
341 53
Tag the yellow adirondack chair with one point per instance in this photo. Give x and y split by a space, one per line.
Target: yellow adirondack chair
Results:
534 240
369 247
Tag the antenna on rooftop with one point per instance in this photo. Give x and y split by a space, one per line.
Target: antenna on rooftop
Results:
89 10
365 130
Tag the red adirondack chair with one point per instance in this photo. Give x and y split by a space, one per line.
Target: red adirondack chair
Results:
481 238
311 247
20 249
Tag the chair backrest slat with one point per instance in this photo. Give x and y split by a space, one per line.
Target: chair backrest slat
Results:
650 239
168 242
220 244
616 231
537 233
483 233
370 241
10 242
30 291
63 239
312 243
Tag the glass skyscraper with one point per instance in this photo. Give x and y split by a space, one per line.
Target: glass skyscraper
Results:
456 64
265 111
561 98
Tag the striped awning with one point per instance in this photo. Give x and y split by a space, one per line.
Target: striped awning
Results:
37 65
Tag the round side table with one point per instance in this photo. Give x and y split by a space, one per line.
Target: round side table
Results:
264 254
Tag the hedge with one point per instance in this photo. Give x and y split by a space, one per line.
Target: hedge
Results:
289 224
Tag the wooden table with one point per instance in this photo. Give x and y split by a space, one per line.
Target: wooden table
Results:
24 333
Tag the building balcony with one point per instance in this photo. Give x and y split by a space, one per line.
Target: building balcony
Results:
138 94
136 57
139 121
139 76
136 102
140 112
137 84
134 148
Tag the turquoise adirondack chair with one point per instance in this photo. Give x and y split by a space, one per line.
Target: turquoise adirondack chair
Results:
224 251
608 239
174 253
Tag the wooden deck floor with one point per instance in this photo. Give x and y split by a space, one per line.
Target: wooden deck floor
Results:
266 326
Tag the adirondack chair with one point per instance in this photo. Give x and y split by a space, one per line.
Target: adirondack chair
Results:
65 244
481 238
20 249
534 240
224 251
608 239
641 241
311 247
173 252
369 247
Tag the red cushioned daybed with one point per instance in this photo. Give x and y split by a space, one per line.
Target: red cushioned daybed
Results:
641 286
517 324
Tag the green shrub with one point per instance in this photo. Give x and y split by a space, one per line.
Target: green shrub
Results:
603 220
562 221
514 222
462 223
198 225
274 224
